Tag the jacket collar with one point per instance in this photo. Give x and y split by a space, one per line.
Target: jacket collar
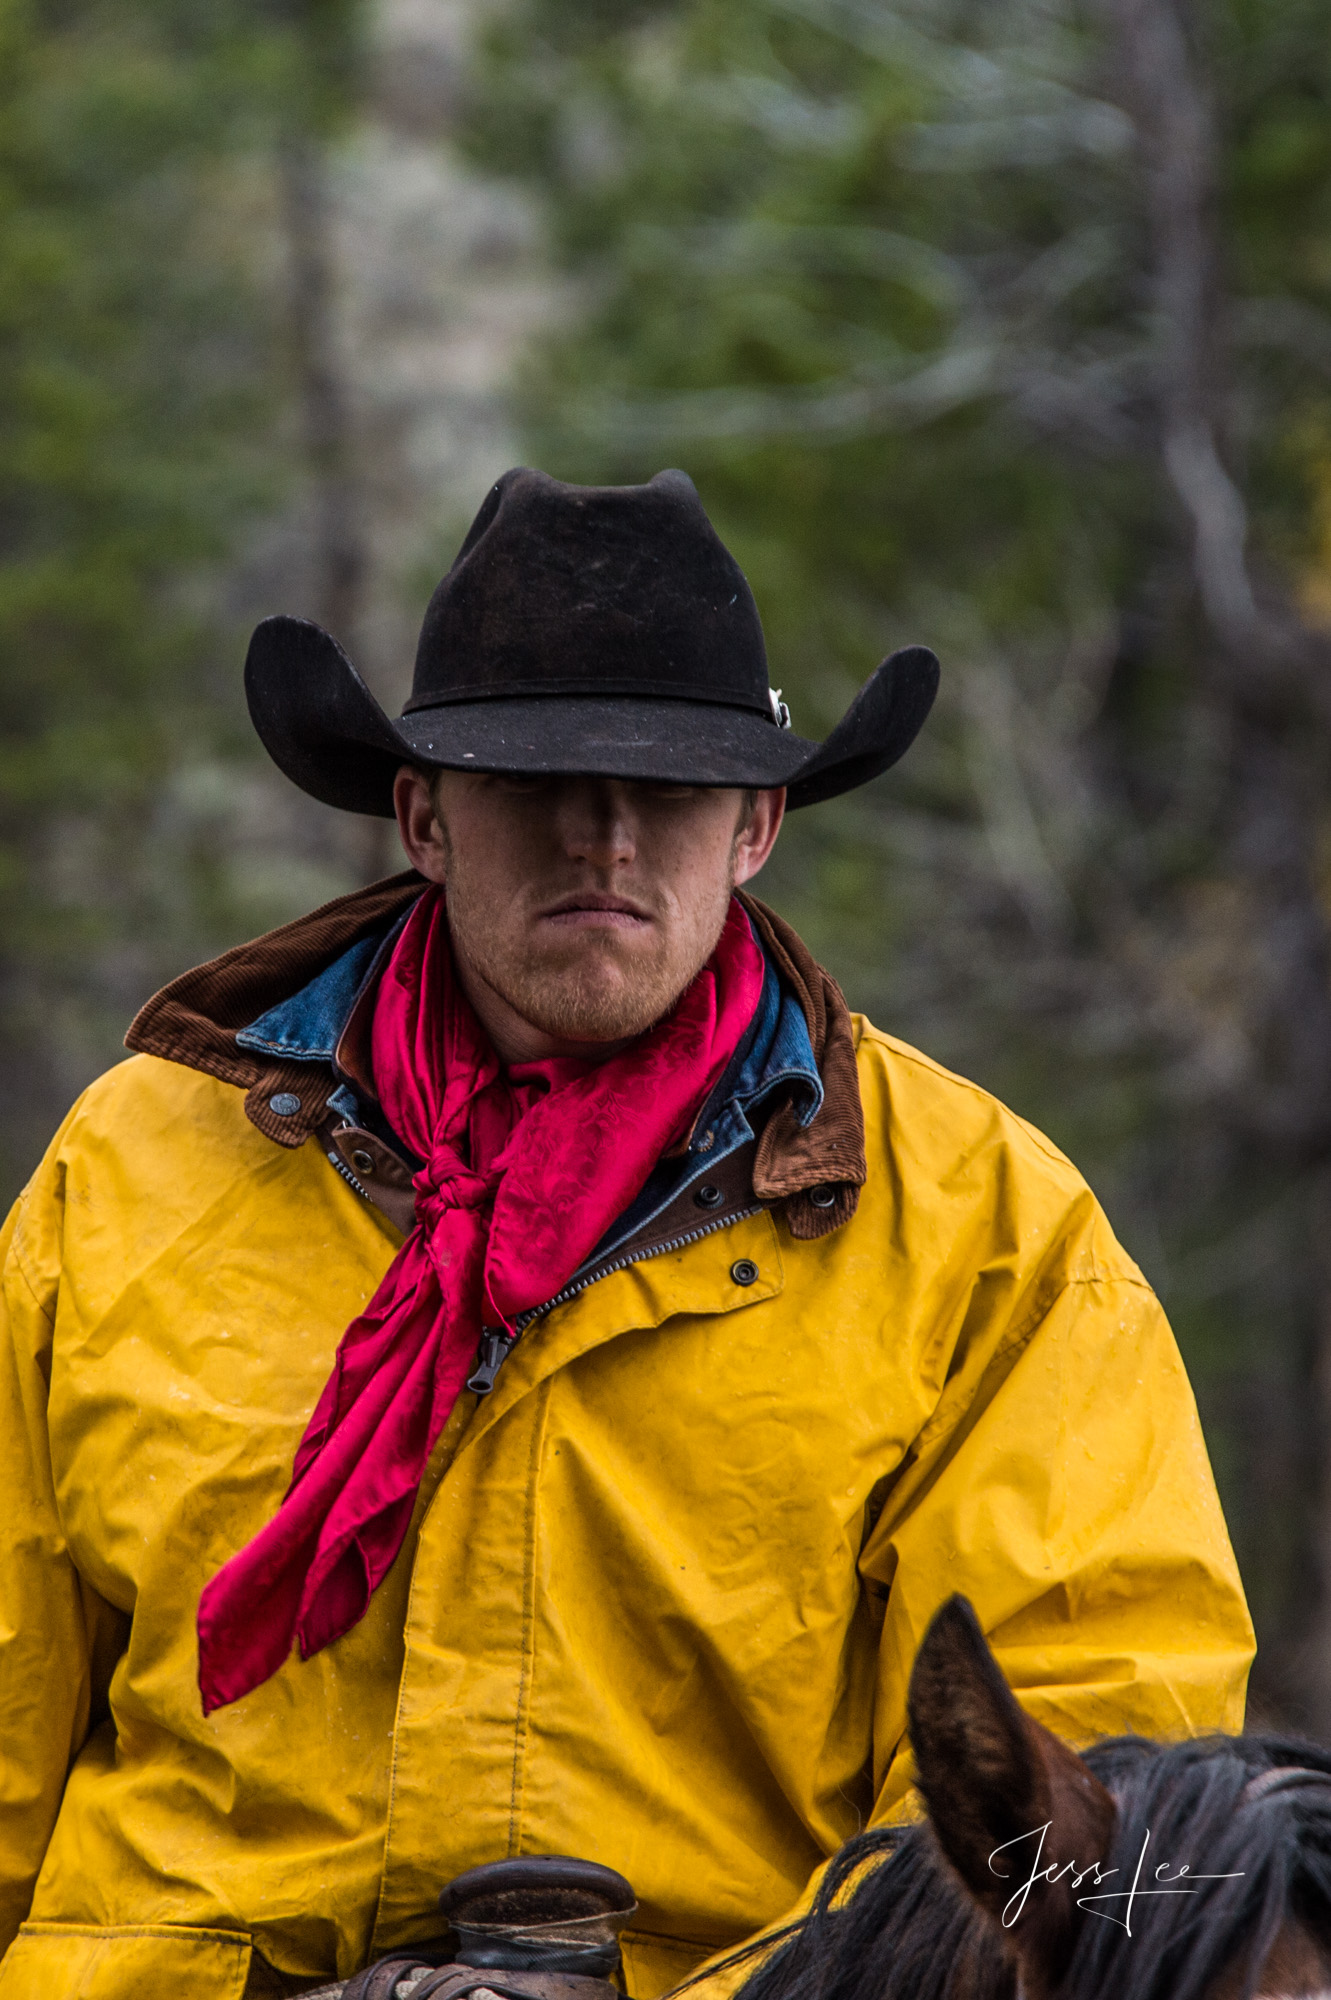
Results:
272 1018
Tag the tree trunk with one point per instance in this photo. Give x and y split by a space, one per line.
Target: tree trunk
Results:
340 558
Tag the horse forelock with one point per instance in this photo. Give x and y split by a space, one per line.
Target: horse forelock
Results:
1249 1820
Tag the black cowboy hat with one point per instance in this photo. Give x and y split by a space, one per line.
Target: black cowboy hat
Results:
602 630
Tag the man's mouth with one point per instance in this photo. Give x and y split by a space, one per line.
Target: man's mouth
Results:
588 909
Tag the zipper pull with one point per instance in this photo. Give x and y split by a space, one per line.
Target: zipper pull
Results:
490 1358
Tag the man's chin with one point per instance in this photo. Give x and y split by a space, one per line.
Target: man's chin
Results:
580 1020
614 1008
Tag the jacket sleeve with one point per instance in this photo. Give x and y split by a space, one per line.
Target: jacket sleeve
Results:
58 1639
1062 1485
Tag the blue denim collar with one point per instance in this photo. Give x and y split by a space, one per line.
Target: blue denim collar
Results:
775 1054
308 1026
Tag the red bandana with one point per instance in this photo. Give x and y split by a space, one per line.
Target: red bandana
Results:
525 1171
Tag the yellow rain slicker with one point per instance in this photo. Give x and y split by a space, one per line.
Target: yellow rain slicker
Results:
662 1590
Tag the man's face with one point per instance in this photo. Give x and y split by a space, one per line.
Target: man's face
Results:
586 905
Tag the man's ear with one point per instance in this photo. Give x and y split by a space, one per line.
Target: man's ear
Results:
418 823
991 1776
757 834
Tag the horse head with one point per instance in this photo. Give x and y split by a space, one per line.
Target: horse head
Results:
1198 1870
1201 1869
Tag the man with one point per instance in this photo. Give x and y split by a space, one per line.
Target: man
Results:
512 1365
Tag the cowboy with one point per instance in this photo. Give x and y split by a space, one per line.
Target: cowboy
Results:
512 1364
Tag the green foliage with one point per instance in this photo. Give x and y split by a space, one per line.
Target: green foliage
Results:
141 373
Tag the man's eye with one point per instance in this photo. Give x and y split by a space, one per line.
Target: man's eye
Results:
519 781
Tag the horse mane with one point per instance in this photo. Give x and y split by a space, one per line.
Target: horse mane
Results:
891 1918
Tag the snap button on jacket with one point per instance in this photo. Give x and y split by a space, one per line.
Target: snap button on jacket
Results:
662 1588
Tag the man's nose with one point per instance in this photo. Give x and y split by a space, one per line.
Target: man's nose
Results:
596 823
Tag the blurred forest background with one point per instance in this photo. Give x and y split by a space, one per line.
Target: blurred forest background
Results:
1002 326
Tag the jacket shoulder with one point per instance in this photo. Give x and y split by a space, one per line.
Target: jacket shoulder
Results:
146 1100
951 1145
148 1139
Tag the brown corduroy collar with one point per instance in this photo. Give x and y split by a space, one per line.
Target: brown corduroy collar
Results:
195 1021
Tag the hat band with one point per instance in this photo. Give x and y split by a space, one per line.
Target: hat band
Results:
609 690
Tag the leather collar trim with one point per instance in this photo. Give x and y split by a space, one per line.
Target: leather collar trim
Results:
195 1020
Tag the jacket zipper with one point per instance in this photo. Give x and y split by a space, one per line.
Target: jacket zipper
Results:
496 1345
347 1175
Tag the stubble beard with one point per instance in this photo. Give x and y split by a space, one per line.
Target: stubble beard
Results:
597 986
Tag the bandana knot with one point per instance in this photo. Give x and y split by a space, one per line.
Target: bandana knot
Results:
447 1185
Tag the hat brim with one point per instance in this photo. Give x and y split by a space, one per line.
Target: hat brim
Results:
325 730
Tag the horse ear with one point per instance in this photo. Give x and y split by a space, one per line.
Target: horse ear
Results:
992 1778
